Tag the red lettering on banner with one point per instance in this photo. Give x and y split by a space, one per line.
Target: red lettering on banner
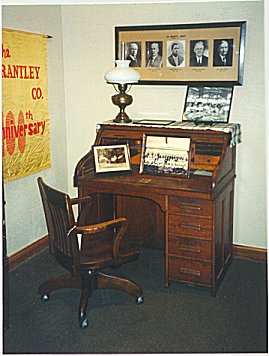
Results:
30 129
22 136
29 115
5 52
11 131
20 72
37 93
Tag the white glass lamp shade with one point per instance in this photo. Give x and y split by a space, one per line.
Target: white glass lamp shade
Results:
122 73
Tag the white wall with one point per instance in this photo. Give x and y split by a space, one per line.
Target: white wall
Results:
24 216
88 54
81 95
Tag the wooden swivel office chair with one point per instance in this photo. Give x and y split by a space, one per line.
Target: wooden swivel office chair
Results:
100 247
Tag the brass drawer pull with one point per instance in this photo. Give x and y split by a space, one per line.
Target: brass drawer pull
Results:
190 271
190 249
190 207
187 226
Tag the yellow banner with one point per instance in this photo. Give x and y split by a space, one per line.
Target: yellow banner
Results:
25 115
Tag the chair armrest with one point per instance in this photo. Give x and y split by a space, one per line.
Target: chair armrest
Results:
80 200
93 229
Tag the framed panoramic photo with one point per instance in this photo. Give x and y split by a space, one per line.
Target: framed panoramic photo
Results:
208 104
209 53
112 158
165 155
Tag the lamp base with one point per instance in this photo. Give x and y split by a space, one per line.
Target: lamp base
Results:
122 118
122 100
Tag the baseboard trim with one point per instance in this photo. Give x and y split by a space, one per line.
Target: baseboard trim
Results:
27 252
242 252
249 253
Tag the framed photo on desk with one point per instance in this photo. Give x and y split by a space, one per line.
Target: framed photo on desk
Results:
165 155
111 158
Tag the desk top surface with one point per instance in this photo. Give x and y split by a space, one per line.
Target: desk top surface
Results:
133 183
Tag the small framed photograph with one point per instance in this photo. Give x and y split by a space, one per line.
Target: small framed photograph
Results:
165 155
112 158
208 104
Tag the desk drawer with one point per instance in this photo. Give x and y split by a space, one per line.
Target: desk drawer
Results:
190 226
190 206
186 247
187 270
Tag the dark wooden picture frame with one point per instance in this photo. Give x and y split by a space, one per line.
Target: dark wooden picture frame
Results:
208 104
111 158
185 39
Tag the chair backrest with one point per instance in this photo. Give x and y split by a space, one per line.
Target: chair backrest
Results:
60 224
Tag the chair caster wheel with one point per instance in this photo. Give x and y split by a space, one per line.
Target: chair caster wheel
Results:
83 323
44 298
139 300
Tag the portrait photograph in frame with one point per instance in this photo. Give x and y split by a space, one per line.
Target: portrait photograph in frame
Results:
168 54
112 158
208 104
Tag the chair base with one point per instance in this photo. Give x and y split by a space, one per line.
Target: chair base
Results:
62 281
88 282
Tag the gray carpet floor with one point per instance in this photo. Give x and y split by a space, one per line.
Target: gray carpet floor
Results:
178 319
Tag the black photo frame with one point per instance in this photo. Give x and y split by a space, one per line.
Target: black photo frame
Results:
163 70
111 158
208 104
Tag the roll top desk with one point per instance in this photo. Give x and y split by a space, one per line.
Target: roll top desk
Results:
190 218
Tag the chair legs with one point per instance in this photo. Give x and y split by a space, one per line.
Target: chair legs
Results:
89 285
88 282
98 280
63 281
125 285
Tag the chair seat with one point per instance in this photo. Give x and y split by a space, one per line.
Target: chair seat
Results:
91 261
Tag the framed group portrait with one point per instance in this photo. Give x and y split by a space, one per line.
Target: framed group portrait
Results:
210 53
165 156
208 104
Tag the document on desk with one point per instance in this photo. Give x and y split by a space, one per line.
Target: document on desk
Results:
168 143
165 155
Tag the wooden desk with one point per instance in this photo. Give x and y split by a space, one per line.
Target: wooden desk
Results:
191 218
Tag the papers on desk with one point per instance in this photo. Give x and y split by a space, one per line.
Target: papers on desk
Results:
168 143
200 172
165 155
